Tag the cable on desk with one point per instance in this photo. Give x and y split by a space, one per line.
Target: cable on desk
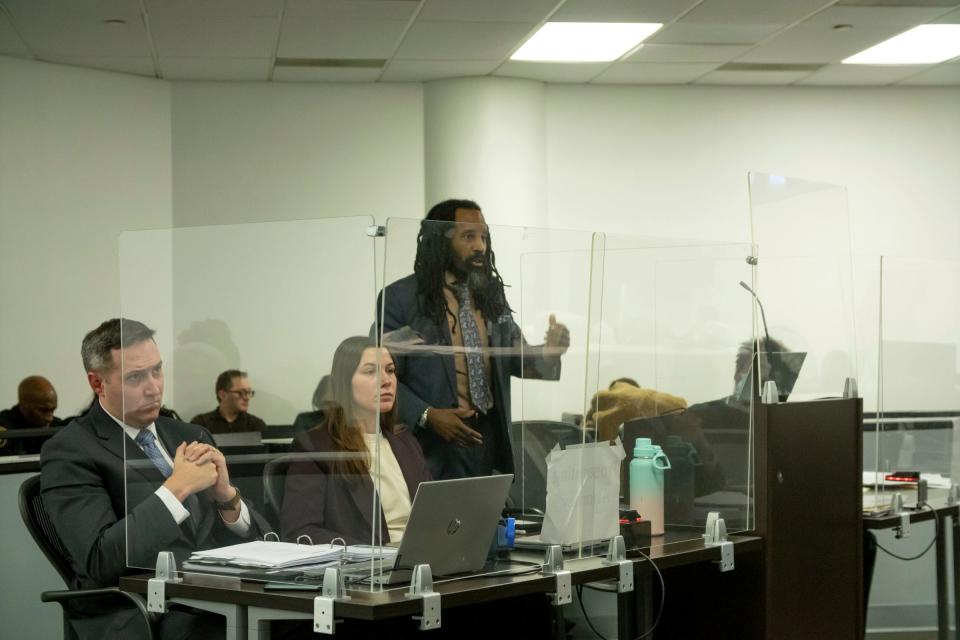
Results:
936 534
663 599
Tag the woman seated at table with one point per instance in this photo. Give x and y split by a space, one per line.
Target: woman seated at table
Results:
332 496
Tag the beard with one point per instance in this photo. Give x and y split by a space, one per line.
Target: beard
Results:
477 278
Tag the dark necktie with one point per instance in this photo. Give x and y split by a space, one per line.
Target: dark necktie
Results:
476 372
148 442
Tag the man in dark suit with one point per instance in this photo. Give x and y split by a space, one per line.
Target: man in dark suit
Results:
36 402
123 483
456 345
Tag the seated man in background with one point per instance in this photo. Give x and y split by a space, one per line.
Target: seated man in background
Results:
233 401
36 402
122 483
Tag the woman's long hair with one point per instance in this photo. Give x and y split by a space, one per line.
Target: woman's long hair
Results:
339 414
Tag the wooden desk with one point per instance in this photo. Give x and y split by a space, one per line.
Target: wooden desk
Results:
392 603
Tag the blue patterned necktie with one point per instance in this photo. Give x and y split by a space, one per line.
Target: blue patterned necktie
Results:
148 442
476 372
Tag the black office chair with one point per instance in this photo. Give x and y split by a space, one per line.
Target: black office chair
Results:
43 533
532 441
274 479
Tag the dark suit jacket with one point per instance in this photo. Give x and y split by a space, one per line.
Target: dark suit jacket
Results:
430 379
324 505
110 526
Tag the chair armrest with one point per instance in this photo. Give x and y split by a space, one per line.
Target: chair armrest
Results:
63 597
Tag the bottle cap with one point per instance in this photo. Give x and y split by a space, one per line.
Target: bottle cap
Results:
644 448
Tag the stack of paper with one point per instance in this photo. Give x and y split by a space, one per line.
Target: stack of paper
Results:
362 552
269 555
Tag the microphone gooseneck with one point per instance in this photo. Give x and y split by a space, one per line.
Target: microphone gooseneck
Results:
763 317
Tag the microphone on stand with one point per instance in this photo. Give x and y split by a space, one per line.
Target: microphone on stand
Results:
763 317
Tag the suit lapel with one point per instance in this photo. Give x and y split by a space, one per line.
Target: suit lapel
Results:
114 440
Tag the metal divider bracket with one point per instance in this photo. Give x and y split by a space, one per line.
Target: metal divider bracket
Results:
421 586
323 613
716 536
157 585
617 555
553 566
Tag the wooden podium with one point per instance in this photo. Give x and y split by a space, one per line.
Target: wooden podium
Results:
809 472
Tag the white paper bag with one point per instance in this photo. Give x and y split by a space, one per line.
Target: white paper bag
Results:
583 493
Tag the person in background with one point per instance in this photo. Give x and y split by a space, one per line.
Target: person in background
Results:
309 419
332 497
234 393
36 403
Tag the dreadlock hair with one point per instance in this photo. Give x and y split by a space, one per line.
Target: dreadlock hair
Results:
434 256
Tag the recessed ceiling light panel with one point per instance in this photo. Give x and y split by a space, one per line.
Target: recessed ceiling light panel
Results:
926 44
584 41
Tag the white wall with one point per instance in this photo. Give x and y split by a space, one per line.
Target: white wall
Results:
673 161
258 152
83 155
276 301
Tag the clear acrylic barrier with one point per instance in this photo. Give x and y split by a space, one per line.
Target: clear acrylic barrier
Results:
669 329
916 426
804 282
276 301
529 289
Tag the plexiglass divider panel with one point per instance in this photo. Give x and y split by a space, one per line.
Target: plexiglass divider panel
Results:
917 422
263 338
803 285
487 326
673 323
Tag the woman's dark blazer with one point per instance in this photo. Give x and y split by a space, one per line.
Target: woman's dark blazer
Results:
324 505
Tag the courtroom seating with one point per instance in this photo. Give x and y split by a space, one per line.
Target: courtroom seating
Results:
42 530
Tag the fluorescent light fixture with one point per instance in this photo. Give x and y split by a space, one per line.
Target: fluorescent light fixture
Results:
926 44
584 41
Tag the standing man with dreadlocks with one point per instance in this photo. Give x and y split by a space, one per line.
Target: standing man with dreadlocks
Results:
456 395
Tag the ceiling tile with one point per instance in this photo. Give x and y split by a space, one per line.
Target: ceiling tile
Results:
307 74
10 42
622 10
137 66
230 69
352 9
858 74
947 73
653 73
875 16
689 33
317 38
818 43
186 36
214 8
950 18
752 77
532 11
424 70
50 29
687 53
551 71
462 40
753 11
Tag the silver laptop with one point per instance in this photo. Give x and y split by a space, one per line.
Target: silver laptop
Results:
451 527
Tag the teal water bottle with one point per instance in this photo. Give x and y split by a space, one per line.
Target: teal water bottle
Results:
646 483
